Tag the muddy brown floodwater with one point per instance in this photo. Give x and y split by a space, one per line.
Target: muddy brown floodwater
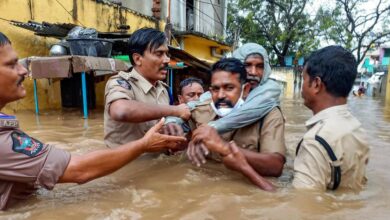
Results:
171 188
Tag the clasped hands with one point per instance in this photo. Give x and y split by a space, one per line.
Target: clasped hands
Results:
205 139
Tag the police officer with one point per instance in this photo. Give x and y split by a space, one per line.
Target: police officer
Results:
262 142
135 100
333 153
26 163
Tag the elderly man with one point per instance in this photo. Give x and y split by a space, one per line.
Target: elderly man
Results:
261 142
26 163
135 100
264 95
333 153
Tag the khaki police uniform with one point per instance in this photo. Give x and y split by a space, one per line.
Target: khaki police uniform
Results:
343 132
265 136
26 163
130 86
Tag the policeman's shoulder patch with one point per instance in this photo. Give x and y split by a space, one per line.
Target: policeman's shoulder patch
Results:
22 143
124 84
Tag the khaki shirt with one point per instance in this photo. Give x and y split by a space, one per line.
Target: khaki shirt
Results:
265 136
26 164
130 86
343 132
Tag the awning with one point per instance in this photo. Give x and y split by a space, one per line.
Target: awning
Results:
189 60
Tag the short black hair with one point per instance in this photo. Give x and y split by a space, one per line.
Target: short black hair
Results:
189 81
233 65
4 40
335 66
143 39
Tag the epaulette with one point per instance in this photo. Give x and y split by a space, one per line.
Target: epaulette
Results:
127 76
164 84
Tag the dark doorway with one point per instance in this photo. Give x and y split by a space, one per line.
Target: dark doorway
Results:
71 94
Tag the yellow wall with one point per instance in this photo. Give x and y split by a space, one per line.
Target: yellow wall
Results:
200 48
388 87
103 17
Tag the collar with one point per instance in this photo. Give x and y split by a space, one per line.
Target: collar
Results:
327 113
145 85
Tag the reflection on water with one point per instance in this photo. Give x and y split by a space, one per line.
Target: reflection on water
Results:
171 188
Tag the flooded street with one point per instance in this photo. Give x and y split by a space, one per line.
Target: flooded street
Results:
172 188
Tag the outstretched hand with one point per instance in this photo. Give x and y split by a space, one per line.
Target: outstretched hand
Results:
154 141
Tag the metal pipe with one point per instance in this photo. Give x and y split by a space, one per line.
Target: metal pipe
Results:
84 92
36 97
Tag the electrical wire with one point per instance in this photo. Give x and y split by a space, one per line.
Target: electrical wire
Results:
5 19
69 13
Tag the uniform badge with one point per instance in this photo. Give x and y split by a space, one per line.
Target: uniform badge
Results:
124 84
22 143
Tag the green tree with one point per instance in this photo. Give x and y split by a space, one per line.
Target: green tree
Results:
281 26
353 26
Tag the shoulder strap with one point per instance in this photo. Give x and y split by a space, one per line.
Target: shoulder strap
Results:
336 170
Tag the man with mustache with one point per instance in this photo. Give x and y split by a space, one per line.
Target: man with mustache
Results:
27 164
334 152
262 142
135 100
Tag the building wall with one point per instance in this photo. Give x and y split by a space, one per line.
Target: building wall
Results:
103 17
388 86
200 48
210 17
144 8
285 75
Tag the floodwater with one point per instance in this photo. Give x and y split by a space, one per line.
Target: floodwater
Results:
171 188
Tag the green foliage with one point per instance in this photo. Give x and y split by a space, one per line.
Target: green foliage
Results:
351 25
284 27
281 26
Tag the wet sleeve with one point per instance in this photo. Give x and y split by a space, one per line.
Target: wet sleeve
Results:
259 102
54 167
33 162
311 166
272 133
117 89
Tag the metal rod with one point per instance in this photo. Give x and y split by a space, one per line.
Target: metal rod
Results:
36 97
84 92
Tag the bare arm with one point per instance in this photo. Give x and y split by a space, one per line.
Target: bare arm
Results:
99 163
232 157
134 111
236 160
266 164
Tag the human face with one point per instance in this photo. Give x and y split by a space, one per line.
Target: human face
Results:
254 65
12 75
225 89
191 92
307 90
153 64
